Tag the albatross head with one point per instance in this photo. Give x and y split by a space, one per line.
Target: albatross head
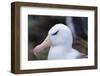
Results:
60 35
59 40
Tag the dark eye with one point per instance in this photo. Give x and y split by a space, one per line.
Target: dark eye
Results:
55 33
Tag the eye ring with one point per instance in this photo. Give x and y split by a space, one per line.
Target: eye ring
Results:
55 33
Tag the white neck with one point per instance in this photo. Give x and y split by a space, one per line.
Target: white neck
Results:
61 52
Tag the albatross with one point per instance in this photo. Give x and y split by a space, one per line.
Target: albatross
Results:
60 40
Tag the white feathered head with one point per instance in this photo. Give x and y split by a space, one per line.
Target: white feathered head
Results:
60 34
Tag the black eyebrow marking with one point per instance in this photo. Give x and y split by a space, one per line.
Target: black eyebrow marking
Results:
55 32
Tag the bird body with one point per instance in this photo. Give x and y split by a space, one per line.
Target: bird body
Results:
62 53
60 41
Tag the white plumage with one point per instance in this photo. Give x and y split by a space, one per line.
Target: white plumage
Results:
61 41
